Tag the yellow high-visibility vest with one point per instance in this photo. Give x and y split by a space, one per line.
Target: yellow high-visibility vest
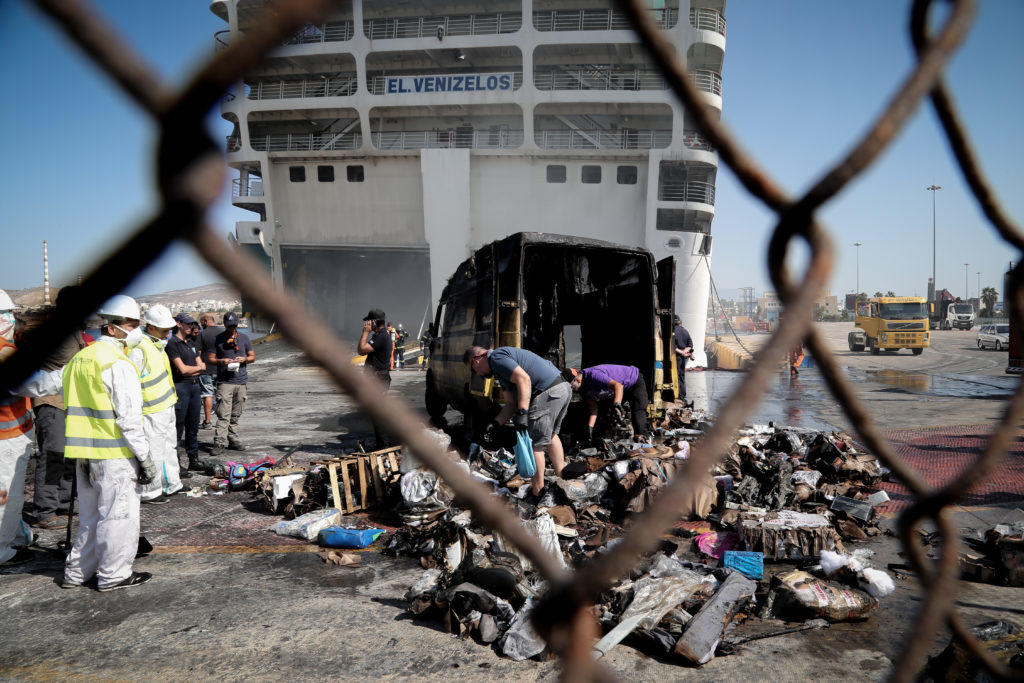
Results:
89 427
157 388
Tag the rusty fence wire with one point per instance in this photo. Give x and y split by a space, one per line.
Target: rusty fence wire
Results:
190 173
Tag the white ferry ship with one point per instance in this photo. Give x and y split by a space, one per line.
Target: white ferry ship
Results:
377 149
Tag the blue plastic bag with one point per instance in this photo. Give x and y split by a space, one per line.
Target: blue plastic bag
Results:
337 537
525 462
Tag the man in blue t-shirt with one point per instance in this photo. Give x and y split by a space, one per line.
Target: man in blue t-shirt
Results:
536 398
232 353
616 382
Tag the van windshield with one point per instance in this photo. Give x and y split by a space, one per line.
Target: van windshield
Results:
908 311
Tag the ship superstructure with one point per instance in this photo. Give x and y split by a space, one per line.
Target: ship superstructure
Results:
380 148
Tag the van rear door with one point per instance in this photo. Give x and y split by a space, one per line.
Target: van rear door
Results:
665 369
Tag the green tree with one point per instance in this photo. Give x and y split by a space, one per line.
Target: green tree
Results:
890 293
989 296
862 298
877 294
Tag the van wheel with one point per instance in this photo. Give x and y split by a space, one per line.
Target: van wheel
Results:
999 346
980 345
434 403
917 352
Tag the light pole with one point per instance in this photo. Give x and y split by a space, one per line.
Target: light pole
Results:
933 188
967 294
858 244
979 286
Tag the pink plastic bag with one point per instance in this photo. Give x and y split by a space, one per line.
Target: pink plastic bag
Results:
715 543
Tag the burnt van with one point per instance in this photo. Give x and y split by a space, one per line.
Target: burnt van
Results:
576 302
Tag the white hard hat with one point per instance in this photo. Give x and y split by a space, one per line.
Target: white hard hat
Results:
5 301
120 306
159 316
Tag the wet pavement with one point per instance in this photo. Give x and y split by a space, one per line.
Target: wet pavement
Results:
951 383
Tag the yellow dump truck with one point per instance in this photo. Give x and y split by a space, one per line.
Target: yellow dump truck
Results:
891 323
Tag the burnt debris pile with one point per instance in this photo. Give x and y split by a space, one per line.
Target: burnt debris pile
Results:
769 534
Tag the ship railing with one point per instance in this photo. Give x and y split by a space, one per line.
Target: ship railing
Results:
694 140
566 138
429 27
598 78
378 84
707 19
688 191
253 187
307 142
447 139
328 32
335 86
707 80
597 19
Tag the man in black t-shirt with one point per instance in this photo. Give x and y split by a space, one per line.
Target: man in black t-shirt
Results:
187 367
682 344
232 354
376 343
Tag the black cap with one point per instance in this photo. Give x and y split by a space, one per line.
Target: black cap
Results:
676 320
230 319
185 319
375 314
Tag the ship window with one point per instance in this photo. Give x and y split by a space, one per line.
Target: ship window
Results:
625 175
355 174
556 174
297 174
325 174
590 175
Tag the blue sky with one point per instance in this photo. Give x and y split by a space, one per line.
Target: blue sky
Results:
802 80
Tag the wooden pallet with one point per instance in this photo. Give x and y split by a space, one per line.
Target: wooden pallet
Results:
379 467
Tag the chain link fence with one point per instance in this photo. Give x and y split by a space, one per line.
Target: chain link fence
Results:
191 173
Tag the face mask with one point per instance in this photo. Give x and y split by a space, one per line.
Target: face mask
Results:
6 324
133 337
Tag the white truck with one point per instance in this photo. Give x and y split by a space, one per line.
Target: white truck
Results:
959 316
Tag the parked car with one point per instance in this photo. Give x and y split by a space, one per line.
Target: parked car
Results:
996 336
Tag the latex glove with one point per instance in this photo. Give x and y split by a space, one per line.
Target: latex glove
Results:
147 471
590 435
521 422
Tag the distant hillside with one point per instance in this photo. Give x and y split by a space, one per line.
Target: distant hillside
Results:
217 291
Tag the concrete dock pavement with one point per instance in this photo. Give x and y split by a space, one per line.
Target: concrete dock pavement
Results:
233 601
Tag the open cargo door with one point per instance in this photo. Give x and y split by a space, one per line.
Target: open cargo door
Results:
669 382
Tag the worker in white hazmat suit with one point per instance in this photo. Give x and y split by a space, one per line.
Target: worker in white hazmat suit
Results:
158 401
104 435
16 442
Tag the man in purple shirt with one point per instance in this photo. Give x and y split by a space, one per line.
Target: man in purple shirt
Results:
614 382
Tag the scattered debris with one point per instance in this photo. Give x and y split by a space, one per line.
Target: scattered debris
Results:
309 525
341 559
780 495
996 557
1004 640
